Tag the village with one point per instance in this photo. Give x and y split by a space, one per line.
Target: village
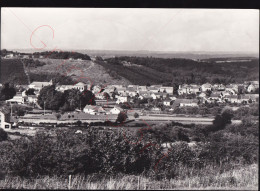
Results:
154 102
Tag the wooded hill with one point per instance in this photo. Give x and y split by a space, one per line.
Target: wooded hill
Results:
150 70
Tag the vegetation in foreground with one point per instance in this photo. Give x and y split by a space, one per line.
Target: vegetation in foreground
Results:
225 156
240 178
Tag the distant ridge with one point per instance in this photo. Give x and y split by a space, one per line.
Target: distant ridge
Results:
158 54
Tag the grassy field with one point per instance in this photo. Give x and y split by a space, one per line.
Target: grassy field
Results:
242 178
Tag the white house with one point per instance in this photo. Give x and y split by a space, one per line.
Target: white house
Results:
251 88
122 99
32 98
202 95
93 110
166 89
167 102
80 86
116 110
39 85
5 119
206 87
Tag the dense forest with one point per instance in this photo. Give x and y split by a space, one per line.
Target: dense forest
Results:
141 70
61 55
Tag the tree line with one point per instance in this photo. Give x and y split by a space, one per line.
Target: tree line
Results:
69 100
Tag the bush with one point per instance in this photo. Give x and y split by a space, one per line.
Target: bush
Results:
136 115
3 135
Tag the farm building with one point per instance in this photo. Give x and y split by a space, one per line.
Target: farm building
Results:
5 119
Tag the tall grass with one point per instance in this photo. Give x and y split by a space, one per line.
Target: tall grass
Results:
244 178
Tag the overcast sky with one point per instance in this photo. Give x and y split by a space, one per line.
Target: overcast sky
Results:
131 29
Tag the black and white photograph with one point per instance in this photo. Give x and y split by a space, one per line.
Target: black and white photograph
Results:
129 98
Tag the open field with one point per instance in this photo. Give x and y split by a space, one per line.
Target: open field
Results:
90 72
242 178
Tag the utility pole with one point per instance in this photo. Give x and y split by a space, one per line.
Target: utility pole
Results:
44 107
11 110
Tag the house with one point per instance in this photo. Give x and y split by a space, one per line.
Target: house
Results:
193 89
121 90
166 89
9 56
244 98
32 98
93 110
131 91
172 97
186 102
157 95
226 93
140 92
134 87
80 86
188 89
206 87
156 109
24 93
116 110
167 102
153 89
232 99
18 98
251 88
233 88
214 96
253 97
142 88
5 119
39 85
202 95
122 99
219 87
100 96
182 90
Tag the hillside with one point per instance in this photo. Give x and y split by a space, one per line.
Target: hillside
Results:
135 70
12 71
140 70
85 71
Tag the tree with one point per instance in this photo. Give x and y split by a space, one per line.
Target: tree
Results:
3 135
30 91
106 95
121 117
87 98
79 123
221 121
7 92
136 115
58 116
51 98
